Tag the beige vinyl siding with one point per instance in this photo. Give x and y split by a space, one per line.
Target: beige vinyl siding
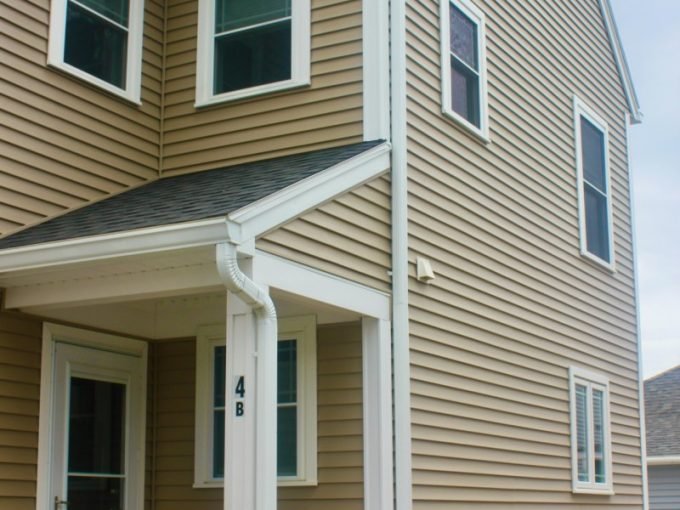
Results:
348 237
340 455
20 342
328 113
514 304
65 143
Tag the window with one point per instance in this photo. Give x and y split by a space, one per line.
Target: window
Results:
464 66
99 41
296 396
593 185
590 432
248 47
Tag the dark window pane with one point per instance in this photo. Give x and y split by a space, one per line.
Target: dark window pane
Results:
597 224
582 432
116 10
253 57
465 92
96 427
95 493
218 444
232 14
287 371
286 459
219 367
592 146
463 37
95 46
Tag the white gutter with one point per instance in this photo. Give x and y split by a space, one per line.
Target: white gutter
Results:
638 336
259 300
400 334
663 460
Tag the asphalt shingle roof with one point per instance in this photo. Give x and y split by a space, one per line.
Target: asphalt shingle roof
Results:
662 410
190 197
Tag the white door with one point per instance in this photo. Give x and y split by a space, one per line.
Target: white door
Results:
97 444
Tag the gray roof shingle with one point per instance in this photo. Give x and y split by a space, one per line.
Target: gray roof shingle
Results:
662 410
190 197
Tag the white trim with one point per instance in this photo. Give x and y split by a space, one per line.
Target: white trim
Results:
133 69
376 69
597 381
663 460
477 16
278 208
300 280
303 330
117 244
582 110
638 336
300 57
400 310
377 407
621 62
86 338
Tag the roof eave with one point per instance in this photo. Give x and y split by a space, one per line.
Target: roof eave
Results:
621 62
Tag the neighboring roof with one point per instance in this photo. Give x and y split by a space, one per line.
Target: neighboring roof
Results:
662 410
621 62
189 197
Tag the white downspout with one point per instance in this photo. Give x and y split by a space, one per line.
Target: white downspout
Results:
237 282
401 350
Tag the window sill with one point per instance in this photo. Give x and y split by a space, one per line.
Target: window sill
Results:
280 483
481 134
74 72
598 262
593 490
269 88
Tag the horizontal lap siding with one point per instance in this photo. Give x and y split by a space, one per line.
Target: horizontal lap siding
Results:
20 346
62 142
340 455
514 304
664 487
328 113
348 237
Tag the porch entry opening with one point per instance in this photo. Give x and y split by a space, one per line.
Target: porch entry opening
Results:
95 395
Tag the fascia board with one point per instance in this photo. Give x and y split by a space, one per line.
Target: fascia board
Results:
119 244
279 208
621 62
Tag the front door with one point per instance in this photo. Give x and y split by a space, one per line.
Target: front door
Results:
96 442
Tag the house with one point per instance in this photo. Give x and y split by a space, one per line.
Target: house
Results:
310 254
662 413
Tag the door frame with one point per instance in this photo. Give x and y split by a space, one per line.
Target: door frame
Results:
89 339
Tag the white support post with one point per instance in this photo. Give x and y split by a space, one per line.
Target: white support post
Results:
377 396
240 416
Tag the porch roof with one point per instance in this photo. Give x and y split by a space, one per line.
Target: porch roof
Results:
184 198
662 410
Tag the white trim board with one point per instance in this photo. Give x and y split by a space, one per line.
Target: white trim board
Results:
663 460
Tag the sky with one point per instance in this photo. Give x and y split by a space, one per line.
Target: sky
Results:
650 32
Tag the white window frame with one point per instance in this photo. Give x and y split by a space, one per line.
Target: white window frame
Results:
300 58
590 380
133 69
302 329
476 16
581 110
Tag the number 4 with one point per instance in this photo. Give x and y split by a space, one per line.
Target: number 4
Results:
240 387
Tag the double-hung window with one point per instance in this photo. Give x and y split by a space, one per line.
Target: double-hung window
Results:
592 163
99 41
296 404
250 47
590 432
463 65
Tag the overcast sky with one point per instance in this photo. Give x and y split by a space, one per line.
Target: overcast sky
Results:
650 32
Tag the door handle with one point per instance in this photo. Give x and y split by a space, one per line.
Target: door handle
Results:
59 502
